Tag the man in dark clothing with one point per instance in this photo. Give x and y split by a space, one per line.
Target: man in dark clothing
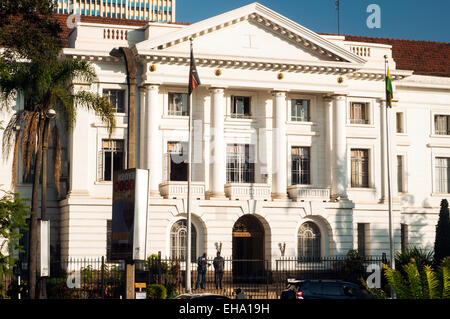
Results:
202 263
219 265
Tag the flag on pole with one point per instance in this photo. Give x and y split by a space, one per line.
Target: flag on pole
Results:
194 80
389 90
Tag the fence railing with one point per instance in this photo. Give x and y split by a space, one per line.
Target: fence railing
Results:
258 279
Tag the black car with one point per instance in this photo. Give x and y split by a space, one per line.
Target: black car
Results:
201 296
324 289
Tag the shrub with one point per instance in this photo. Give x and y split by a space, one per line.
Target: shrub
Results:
156 291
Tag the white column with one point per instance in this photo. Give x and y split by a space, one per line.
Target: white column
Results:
328 104
279 146
217 174
142 126
153 158
339 158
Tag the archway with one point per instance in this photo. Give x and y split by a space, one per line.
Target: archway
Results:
248 250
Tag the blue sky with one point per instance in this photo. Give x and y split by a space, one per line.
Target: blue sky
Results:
402 19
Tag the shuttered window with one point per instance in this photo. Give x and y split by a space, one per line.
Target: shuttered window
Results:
360 168
442 173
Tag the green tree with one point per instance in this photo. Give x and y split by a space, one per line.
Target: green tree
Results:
414 282
442 242
13 214
46 87
29 30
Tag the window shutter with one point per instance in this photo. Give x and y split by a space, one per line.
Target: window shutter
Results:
100 165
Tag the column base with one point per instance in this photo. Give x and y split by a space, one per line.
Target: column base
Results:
155 194
280 196
338 198
215 196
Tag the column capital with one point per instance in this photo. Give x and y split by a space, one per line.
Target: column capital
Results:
339 96
150 86
217 90
278 93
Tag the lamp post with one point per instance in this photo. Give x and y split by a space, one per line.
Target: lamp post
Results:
130 65
50 114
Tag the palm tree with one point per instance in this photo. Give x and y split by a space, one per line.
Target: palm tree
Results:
46 87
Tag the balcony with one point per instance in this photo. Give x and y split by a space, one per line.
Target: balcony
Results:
301 193
245 191
177 190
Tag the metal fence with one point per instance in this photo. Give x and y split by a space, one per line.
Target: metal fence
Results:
258 279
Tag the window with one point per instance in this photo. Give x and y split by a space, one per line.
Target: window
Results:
240 107
442 166
362 238
178 104
178 236
359 113
240 163
404 237
116 98
400 174
112 158
442 124
360 168
177 161
309 242
300 166
300 111
400 125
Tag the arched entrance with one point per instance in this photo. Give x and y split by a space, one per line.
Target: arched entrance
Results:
248 250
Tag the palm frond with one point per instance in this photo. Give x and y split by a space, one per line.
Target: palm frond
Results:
398 283
100 105
15 161
414 281
444 270
57 158
433 283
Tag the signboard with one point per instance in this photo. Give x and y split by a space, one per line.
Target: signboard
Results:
44 268
129 215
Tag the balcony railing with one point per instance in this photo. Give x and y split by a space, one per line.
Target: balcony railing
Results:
177 190
238 191
301 192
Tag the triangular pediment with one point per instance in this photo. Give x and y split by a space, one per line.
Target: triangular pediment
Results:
253 31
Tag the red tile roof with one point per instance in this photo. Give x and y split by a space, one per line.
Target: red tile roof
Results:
423 57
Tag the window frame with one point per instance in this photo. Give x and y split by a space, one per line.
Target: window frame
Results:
298 119
183 114
101 177
367 111
293 172
233 114
316 247
368 173
243 168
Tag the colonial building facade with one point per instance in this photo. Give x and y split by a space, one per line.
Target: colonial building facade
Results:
289 149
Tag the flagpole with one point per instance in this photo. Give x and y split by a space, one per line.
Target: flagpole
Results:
188 208
388 151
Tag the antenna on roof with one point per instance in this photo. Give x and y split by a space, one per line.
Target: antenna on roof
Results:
337 4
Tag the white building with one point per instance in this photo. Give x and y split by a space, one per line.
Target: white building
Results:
290 140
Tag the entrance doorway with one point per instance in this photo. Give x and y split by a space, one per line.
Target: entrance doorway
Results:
248 250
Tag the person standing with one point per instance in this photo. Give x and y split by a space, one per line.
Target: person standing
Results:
219 265
202 263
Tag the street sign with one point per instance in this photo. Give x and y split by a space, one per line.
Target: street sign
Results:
129 215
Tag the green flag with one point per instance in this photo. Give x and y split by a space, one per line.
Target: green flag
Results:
389 90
